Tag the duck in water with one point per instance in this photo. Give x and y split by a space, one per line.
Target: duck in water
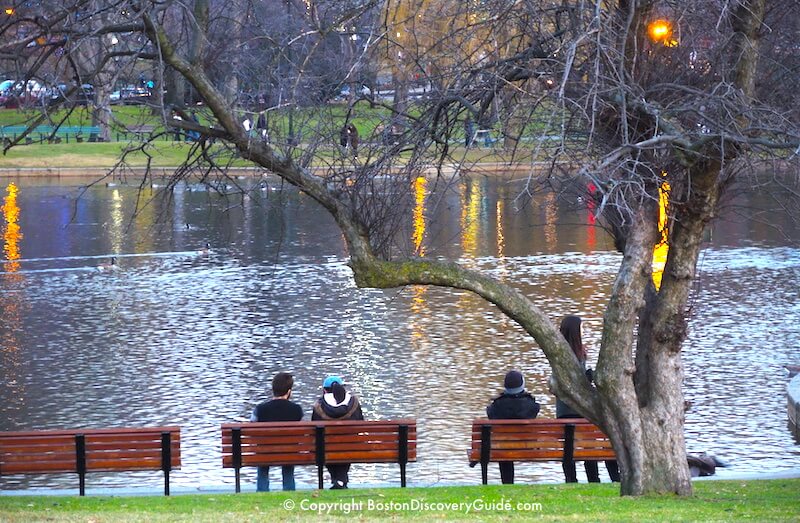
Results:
112 264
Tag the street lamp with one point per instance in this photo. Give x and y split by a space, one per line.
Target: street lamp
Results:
9 11
660 31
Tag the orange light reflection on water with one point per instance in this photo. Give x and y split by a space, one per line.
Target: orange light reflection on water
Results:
470 214
420 193
11 307
662 248
11 232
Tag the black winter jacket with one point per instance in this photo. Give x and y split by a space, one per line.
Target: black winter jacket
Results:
513 406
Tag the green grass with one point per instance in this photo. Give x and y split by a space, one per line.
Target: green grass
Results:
105 155
127 115
764 500
170 154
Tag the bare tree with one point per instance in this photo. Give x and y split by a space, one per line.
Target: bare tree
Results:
601 100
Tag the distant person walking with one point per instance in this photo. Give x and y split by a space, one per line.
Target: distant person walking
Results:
571 328
513 403
279 408
261 125
337 403
469 132
348 138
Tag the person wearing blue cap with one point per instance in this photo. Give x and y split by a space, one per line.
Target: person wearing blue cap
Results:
337 403
279 408
513 403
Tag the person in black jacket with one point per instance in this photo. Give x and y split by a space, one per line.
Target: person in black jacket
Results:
513 403
337 403
279 408
571 328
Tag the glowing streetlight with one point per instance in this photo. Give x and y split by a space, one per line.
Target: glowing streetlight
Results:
9 11
661 31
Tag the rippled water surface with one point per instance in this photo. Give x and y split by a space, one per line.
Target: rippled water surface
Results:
174 335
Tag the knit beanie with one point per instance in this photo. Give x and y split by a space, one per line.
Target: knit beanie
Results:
514 382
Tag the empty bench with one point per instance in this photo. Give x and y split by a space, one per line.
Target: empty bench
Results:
91 450
565 440
10 132
319 443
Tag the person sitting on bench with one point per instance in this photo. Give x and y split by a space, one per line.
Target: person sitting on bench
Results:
279 408
337 403
513 403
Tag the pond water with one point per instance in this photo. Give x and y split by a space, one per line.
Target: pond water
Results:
174 335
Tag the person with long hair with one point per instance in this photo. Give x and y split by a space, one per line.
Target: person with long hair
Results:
571 328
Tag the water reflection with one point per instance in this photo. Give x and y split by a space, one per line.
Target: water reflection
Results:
470 217
11 306
550 218
662 248
179 337
420 186
11 230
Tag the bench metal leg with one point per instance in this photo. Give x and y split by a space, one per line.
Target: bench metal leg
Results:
569 446
166 458
402 452
80 462
319 439
486 452
236 436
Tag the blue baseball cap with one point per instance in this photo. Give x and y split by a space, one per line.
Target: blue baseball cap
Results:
330 380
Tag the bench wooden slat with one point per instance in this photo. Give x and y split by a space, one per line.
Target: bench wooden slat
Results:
14 443
523 455
590 455
286 458
249 439
365 456
264 432
19 448
23 457
94 446
72 432
273 449
35 467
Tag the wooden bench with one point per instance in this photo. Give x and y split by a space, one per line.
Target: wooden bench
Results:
573 439
91 450
319 443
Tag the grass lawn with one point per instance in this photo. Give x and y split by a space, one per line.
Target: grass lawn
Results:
763 500
164 154
169 154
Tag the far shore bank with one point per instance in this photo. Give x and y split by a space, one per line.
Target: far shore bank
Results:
484 168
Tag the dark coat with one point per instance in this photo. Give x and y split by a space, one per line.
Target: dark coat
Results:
564 409
326 408
513 406
277 410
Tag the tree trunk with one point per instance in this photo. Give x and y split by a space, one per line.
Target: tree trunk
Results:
101 114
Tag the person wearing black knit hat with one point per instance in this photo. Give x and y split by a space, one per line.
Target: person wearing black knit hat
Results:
513 403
